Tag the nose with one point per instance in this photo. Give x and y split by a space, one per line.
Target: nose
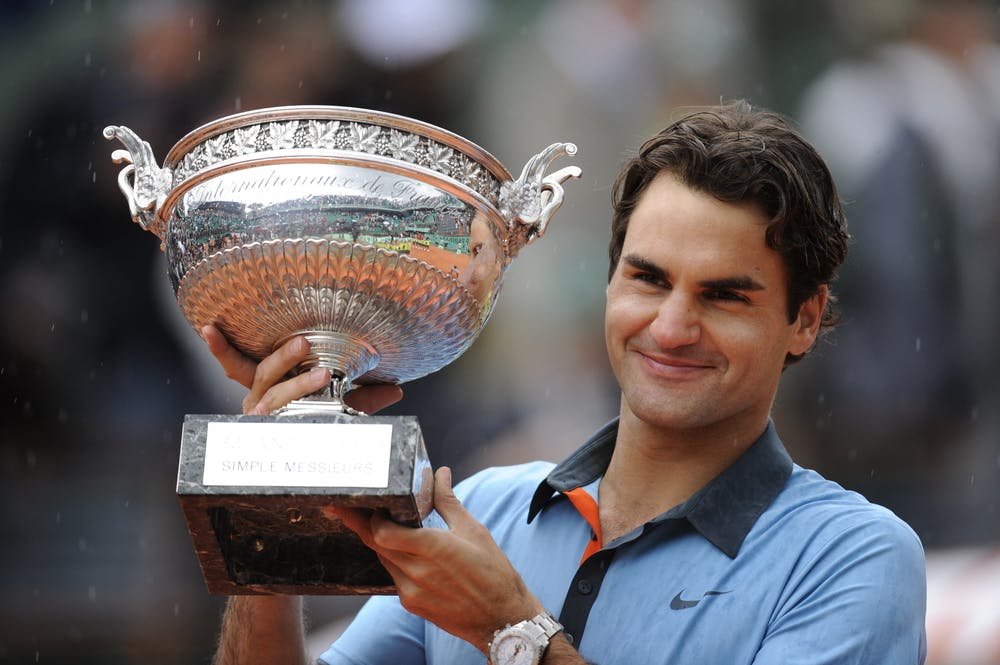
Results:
676 323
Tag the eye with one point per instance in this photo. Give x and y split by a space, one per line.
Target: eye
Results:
726 295
476 249
649 277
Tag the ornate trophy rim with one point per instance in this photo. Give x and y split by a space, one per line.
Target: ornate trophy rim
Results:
260 116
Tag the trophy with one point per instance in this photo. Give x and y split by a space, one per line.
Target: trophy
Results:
382 240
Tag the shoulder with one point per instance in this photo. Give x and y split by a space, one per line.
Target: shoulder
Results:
829 533
827 511
846 573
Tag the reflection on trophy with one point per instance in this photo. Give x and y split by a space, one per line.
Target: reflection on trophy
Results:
381 239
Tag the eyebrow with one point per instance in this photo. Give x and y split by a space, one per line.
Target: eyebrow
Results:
734 283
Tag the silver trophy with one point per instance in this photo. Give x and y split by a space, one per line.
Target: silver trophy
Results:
381 239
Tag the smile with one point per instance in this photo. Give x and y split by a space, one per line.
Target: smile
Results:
670 367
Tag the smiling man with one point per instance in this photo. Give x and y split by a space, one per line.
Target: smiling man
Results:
681 532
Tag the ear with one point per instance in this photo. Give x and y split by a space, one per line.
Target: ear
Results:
806 325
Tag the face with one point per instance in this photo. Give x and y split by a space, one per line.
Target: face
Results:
480 275
696 322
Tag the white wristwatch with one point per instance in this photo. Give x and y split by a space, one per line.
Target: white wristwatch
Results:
524 642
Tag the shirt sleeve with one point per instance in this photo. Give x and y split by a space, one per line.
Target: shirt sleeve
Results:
381 633
859 599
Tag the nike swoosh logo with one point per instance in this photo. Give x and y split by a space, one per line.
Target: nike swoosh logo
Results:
678 603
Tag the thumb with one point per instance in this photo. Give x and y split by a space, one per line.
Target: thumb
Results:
446 503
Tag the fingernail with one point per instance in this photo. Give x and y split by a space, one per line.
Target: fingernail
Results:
317 374
300 345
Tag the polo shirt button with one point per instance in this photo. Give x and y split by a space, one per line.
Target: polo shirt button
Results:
584 587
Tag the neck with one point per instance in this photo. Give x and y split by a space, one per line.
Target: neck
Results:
654 469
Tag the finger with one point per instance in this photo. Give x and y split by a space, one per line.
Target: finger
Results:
280 362
355 519
236 365
282 393
363 523
374 398
447 504
272 370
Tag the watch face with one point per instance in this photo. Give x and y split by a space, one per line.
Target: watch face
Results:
514 649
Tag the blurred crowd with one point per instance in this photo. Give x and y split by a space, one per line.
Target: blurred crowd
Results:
97 368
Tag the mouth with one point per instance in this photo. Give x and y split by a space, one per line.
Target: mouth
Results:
673 367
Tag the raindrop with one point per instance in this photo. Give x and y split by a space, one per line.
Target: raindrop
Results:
199 55
84 316
92 593
93 178
177 609
52 328
918 345
88 58
238 103
191 22
88 6
58 517
63 416
81 544
972 480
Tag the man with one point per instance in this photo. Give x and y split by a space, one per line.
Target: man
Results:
681 532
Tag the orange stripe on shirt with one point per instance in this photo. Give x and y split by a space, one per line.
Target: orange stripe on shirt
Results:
587 507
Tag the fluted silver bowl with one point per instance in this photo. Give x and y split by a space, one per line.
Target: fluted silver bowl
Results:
382 239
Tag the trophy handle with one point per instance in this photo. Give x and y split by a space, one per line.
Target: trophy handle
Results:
529 202
149 184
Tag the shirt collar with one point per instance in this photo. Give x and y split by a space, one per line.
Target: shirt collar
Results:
723 511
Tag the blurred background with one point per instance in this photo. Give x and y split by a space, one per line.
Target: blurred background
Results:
97 370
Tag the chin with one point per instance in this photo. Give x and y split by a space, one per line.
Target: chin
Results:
670 413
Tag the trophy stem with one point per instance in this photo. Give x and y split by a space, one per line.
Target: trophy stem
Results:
346 357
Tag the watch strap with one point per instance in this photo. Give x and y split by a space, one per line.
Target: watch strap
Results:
539 629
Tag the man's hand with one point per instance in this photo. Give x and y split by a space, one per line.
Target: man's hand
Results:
270 389
458 579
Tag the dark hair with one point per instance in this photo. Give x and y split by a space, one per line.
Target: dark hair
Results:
739 154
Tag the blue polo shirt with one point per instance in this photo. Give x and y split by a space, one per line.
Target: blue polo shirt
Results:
768 564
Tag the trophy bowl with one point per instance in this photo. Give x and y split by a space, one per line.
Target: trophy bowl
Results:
382 240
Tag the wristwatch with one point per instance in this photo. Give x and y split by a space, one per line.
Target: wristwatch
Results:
524 642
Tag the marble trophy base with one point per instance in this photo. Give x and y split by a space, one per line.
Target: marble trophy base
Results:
253 489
